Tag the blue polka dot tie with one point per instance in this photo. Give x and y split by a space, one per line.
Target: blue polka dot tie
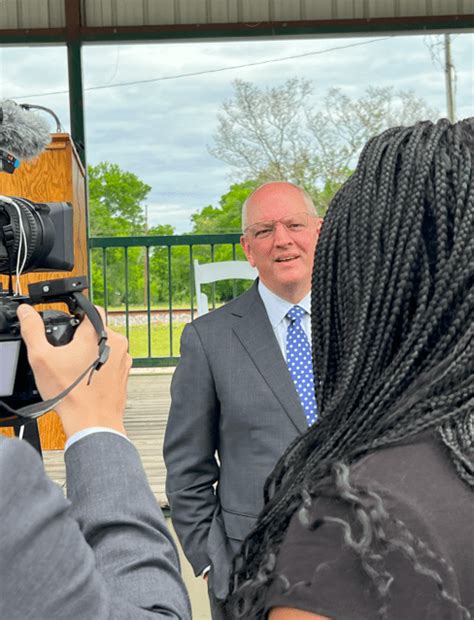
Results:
300 365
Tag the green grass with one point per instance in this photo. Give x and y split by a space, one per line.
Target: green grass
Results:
160 339
185 305
154 306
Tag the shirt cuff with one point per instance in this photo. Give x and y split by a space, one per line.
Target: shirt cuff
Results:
205 571
90 431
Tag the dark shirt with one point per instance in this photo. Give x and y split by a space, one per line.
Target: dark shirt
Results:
418 485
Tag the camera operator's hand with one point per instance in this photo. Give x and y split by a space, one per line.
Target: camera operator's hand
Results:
102 403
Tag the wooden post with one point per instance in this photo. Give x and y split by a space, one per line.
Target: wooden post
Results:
57 175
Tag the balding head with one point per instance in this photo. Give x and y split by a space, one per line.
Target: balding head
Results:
280 188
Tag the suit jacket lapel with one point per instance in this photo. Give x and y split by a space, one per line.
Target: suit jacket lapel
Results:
252 327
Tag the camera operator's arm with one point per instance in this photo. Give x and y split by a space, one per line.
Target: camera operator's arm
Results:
109 553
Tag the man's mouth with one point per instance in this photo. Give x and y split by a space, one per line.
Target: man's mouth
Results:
286 259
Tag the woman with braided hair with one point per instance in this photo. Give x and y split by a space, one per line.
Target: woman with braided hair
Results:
371 512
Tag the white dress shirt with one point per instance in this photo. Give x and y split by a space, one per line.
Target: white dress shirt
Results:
277 309
89 431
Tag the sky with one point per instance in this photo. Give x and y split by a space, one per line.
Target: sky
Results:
144 112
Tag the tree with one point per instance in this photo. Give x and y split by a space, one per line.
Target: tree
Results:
341 128
116 200
281 134
117 208
227 217
259 131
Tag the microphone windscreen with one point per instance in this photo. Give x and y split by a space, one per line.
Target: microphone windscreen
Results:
24 134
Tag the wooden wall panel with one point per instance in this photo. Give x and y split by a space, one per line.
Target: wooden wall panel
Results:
57 175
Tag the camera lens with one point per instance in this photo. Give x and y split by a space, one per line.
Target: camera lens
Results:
23 233
35 236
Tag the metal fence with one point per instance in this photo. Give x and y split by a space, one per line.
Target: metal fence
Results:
146 287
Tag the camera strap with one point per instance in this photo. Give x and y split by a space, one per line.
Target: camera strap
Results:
30 412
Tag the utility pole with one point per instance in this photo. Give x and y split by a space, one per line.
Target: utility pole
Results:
448 73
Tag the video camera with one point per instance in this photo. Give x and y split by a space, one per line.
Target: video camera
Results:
35 237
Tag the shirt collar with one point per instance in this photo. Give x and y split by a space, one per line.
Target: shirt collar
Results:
277 307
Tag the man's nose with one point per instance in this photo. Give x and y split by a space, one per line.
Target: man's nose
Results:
281 236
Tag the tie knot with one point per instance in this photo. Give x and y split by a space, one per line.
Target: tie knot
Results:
295 313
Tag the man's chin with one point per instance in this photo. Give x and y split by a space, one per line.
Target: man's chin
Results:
292 287
290 272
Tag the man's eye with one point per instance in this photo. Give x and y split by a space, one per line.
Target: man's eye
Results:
295 226
261 232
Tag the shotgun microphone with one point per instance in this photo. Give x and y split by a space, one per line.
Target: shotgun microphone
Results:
23 134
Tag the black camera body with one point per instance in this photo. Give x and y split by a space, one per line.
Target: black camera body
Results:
17 384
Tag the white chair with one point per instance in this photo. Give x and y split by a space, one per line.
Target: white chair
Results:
213 272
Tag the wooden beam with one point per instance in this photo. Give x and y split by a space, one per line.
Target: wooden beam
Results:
353 27
72 10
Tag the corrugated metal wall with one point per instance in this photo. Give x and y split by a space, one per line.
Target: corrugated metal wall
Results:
151 12
100 13
32 14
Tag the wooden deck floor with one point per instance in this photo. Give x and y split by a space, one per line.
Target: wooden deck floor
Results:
145 420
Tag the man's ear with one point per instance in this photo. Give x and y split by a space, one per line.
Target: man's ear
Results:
319 223
247 249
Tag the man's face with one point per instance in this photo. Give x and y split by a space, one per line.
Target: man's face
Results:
283 257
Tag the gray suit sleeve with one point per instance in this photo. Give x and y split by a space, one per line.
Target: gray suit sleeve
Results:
105 555
190 447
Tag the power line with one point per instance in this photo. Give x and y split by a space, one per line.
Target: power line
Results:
209 71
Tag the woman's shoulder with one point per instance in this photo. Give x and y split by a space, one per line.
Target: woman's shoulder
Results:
319 565
418 470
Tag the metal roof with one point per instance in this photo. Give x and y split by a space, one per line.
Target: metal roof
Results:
147 12
53 20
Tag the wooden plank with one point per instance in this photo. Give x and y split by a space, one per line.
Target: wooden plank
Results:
146 415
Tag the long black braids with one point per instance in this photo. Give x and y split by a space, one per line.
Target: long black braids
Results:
393 331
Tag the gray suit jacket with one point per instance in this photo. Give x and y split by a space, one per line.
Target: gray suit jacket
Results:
232 395
104 555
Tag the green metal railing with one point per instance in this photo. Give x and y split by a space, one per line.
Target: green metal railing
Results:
158 269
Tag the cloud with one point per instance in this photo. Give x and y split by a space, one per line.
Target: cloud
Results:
160 130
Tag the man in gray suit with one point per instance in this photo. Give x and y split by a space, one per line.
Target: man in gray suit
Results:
105 554
235 407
